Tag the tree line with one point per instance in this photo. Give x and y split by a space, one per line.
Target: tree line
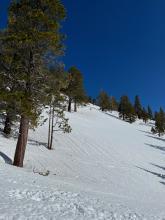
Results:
130 112
32 78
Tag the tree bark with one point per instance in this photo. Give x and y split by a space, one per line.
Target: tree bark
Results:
69 105
22 142
49 130
52 130
7 127
75 106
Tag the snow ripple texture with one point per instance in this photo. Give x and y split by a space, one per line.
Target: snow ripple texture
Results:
37 205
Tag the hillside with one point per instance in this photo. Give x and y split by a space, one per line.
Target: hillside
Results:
105 169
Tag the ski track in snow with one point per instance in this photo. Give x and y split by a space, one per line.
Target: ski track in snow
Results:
105 169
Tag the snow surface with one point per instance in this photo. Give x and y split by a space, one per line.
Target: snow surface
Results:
105 169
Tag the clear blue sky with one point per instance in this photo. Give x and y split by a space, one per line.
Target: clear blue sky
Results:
119 45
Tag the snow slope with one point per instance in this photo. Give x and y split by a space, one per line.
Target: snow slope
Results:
104 169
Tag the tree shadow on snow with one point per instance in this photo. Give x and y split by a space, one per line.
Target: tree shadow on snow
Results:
157 174
162 183
160 167
113 116
37 143
6 158
162 176
156 147
157 138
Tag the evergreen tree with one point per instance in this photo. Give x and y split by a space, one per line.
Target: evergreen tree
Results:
7 104
150 114
130 116
159 122
123 107
138 107
145 115
126 110
75 90
113 104
32 32
104 101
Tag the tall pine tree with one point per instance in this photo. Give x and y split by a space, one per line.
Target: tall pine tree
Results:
104 101
144 115
113 104
32 32
150 114
75 90
126 109
138 107
159 122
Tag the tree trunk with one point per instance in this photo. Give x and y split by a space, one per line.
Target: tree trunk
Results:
75 106
7 127
49 130
69 105
22 141
52 130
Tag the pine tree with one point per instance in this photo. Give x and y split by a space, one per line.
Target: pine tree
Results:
138 107
126 110
7 103
123 107
150 114
130 116
144 115
75 90
159 122
32 32
104 101
113 104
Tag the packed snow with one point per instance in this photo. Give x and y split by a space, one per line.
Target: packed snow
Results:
105 169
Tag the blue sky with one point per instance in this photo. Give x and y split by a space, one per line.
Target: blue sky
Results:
118 45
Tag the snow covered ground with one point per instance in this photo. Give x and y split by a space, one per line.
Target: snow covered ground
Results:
105 169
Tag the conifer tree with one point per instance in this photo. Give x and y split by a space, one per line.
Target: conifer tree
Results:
159 122
75 90
123 107
144 115
104 101
32 32
126 110
130 116
7 84
113 104
138 107
150 114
